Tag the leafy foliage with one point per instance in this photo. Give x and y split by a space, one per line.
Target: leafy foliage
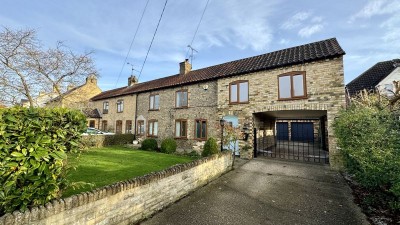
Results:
210 147
149 144
368 135
33 147
168 145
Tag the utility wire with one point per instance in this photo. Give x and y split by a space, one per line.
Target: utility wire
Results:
154 35
197 28
133 40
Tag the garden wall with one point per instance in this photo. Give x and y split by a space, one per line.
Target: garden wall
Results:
129 201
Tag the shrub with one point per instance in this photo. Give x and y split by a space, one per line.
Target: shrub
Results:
149 144
368 135
33 147
168 145
210 147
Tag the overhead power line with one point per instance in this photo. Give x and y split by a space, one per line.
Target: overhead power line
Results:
133 40
197 28
154 35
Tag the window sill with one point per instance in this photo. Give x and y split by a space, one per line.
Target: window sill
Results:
295 98
181 138
154 109
200 139
120 112
238 103
185 107
151 136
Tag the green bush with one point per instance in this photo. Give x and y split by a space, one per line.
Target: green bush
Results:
106 140
33 147
368 135
168 146
210 147
149 144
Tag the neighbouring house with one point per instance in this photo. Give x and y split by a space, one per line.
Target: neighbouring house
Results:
379 78
40 100
283 102
77 97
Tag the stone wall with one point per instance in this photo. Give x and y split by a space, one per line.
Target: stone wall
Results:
127 202
202 104
112 116
325 91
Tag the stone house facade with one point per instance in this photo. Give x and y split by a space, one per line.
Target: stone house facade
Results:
301 88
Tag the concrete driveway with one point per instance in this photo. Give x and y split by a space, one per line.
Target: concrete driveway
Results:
266 191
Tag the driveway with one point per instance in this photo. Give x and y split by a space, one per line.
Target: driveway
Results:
266 191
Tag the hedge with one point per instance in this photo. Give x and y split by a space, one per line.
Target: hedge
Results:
368 135
33 147
107 140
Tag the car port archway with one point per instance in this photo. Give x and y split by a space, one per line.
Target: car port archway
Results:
300 135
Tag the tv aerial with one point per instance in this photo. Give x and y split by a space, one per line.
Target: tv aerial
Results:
191 56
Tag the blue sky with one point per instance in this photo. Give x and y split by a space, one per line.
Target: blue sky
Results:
368 30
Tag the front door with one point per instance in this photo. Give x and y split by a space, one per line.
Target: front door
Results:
232 121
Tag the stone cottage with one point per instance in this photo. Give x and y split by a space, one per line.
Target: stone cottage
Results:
283 102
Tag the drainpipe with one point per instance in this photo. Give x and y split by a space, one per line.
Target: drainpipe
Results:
136 108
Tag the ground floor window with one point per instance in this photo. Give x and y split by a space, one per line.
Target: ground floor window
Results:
128 127
104 125
140 127
180 128
201 129
118 127
92 123
153 128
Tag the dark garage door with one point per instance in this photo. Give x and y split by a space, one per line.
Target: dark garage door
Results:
282 130
302 131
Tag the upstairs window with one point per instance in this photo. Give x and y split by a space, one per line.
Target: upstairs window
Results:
180 128
201 129
181 99
154 102
292 86
120 105
239 92
105 107
153 128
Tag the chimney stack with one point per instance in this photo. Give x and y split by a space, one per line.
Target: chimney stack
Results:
132 80
185 67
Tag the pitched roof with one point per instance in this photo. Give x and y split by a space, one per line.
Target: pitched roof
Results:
59 97
370 78
325 49
91 113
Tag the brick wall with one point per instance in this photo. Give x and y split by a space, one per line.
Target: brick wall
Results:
127 202
325 91
202 104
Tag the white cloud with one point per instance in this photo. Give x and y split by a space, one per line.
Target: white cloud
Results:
296 20
376 7
310 30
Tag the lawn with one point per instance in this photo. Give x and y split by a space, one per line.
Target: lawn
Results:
103 166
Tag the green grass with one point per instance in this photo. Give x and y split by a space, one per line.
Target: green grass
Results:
103 166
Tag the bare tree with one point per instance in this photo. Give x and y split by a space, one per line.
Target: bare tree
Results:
26 68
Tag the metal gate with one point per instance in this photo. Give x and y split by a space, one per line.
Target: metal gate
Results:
295 139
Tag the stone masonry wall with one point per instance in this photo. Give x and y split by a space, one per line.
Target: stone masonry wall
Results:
202 104
126 202
112 116
325 91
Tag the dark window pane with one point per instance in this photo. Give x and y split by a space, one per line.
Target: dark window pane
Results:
203 129
198 129
183 128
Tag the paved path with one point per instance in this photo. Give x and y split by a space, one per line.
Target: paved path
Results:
265 191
